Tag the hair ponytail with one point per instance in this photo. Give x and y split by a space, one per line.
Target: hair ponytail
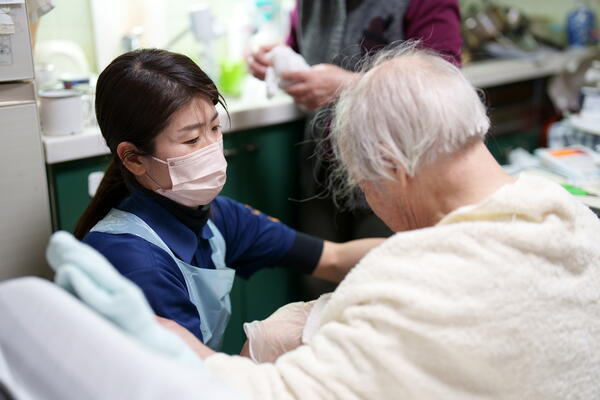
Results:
111 191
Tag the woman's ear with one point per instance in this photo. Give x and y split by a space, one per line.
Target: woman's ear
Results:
131 158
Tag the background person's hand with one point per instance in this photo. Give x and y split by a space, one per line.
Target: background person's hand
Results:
278 334
318 86
258 62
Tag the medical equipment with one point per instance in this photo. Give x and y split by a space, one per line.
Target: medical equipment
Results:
195 178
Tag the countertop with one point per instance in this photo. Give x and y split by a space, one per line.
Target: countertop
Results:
244 114
254 110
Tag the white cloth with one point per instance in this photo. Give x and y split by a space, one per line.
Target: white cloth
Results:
283 59
500 300
313 321
52 347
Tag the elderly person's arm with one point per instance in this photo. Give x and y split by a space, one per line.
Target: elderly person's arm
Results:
268 339
377 339
347 358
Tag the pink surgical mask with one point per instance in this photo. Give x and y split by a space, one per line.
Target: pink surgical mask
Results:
196 178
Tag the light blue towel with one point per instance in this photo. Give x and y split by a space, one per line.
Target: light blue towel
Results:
89 276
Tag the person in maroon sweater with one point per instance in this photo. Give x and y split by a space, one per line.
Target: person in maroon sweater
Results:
334 36
435 23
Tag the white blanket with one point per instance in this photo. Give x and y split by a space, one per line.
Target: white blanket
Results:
500 300
52 347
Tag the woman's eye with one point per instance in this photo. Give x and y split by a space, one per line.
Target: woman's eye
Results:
193 141
216 128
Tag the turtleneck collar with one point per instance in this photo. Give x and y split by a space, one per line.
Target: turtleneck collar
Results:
194 218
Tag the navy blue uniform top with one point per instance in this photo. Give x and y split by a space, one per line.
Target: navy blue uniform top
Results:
253 239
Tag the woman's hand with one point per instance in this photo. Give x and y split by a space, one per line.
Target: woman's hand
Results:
278 334
337 259
188 337
245 352
258 62
319 86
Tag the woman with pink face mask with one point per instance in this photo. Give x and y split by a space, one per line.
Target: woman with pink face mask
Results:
157 216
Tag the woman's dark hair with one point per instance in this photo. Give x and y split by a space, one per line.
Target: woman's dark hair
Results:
136 96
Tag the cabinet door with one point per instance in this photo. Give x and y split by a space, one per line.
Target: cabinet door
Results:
24 203
262 173
69 184
271 188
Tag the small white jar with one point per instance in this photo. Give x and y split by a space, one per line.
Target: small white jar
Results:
61 111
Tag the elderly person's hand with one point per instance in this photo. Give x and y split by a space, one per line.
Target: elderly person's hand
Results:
278 334
318 86
258 61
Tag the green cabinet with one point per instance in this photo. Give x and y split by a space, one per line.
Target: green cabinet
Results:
262 171
68 183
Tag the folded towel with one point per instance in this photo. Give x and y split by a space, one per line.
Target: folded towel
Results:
284 60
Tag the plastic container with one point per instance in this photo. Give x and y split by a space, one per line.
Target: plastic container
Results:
581 26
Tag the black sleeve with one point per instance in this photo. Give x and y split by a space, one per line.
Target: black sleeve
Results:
304 254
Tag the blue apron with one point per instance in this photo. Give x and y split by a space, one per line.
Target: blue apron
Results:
208 288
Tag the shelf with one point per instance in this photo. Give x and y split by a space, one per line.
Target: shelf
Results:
244 115
491 73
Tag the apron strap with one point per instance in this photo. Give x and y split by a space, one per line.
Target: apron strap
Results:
214 310
120 222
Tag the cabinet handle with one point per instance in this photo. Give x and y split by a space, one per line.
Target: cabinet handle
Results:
249 148
252 147
230 152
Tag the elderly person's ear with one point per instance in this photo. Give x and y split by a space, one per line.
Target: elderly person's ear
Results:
396 170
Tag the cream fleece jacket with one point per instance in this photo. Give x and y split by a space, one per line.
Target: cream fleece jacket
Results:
500 300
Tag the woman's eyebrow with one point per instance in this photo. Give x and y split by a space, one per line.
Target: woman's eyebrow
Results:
198 124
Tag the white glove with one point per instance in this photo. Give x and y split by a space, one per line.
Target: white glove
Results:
287 328
278 334
283 59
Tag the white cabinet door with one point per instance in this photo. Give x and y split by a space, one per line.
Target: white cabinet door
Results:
16 61
24 207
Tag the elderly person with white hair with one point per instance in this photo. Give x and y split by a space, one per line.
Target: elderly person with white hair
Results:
490 289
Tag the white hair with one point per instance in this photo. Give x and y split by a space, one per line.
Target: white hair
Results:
408 107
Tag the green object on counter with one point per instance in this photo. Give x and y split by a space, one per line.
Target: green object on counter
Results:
231 77
577 191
